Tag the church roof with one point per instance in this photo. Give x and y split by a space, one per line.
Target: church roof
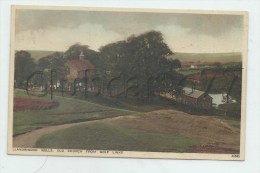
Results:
80 64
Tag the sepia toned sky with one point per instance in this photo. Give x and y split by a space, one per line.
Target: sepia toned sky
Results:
194 33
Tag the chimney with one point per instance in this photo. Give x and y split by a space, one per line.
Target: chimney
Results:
81 56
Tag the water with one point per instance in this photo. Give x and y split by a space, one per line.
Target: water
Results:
218 99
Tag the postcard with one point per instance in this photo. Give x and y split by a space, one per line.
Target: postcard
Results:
139 83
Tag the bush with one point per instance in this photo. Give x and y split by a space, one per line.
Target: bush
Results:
232 109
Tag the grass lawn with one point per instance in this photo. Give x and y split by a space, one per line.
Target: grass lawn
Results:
109 136
78 109
69 110
234 122
133 104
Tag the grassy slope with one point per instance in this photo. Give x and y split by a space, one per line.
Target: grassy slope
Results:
102 135
133 104
108 136
233 122
164 130
76 110
69 110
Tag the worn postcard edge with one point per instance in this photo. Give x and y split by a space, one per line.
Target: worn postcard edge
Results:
128 154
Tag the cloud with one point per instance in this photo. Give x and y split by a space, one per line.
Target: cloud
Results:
93 35
208 24
45 29
183 40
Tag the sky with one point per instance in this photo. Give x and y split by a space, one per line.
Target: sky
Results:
56 30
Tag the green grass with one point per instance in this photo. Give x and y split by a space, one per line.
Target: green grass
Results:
133 104
108 136
69 110
72 109
234 122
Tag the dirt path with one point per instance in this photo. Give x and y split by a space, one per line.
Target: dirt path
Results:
28 140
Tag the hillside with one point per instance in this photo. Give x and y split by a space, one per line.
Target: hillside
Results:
158 131
183 57
38 54
208 57
208 130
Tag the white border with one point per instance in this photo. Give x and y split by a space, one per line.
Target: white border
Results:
10 164
132 154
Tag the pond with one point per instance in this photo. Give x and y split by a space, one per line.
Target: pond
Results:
219 99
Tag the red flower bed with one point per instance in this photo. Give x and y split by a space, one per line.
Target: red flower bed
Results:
21 104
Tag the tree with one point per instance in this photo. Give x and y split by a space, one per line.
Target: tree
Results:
149 53
74 51
24 67
143 57
54 62
114 59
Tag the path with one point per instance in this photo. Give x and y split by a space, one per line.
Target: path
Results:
28 140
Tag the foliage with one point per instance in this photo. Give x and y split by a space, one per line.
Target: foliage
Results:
74 51
232 109
24 67
53 62
142 58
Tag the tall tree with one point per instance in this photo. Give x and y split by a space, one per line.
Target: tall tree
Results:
113 58
54 61
143 57
74 51
24 67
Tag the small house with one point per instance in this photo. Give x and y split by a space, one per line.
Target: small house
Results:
80 68
195 98
193 66
77 67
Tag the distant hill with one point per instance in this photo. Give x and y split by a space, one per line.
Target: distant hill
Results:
208 57
38 54
183 57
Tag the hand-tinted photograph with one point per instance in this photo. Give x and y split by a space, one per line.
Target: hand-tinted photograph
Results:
127 83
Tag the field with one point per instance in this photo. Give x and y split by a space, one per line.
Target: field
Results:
110 136
69 111
95 124
208 57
